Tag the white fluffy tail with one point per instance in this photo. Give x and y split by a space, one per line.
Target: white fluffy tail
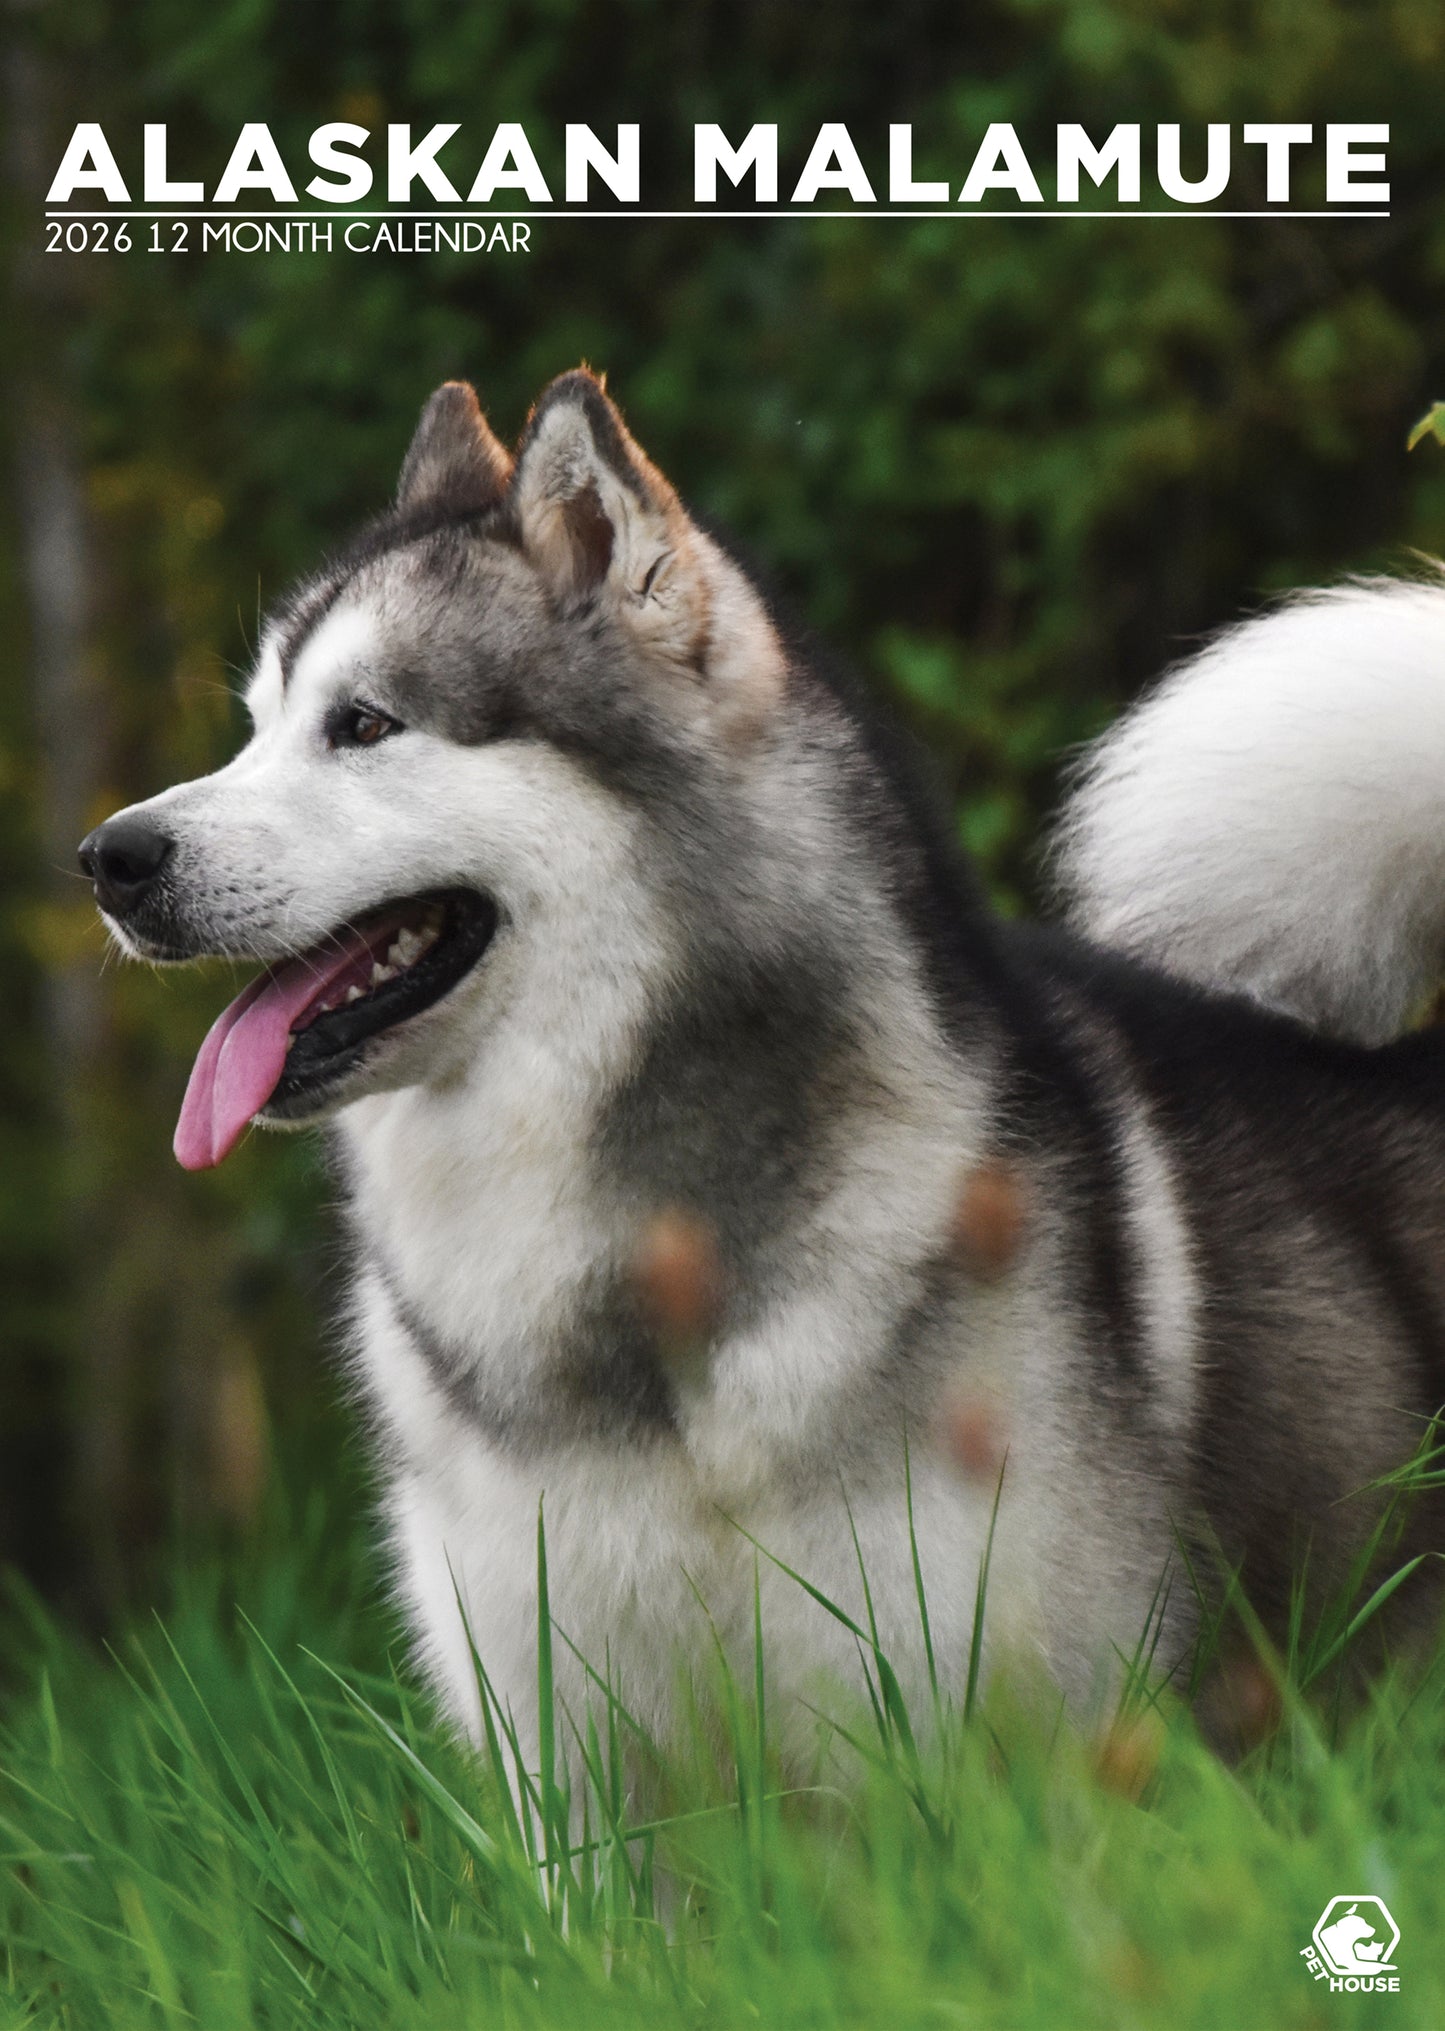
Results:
1272 818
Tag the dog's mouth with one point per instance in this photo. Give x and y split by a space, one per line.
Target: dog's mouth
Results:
300 1028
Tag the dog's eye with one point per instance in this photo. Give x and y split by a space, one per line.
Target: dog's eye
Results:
359 725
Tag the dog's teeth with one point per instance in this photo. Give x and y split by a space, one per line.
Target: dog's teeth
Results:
353 994
381 974
406 948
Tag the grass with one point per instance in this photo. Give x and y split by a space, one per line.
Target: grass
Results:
243 1816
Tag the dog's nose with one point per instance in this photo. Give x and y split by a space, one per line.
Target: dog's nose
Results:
123 858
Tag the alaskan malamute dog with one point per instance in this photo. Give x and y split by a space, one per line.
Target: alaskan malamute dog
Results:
709 1147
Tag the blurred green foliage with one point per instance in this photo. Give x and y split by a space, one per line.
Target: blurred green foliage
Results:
1010 465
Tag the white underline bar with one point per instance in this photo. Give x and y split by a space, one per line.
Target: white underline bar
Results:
341 216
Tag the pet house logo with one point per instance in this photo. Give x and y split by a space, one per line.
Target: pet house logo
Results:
1354 1944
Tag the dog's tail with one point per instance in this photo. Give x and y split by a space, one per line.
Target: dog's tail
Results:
1272 818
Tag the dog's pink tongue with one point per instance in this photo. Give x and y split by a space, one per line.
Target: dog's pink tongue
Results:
238 1066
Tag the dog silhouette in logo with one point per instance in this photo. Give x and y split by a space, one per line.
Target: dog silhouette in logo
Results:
1351 1944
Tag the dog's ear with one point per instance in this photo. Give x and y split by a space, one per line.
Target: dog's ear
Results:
454 463
603 527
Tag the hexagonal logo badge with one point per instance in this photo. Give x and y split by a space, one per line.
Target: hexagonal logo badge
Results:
1354 1945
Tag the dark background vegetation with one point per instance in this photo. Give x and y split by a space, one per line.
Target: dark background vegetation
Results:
1009 466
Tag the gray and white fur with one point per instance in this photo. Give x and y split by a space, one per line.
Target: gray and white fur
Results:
737 978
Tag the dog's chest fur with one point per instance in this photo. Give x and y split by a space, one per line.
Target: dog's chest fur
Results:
505 1378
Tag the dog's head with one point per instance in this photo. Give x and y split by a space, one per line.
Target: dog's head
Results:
461 730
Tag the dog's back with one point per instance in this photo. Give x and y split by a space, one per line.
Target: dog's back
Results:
1266 824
